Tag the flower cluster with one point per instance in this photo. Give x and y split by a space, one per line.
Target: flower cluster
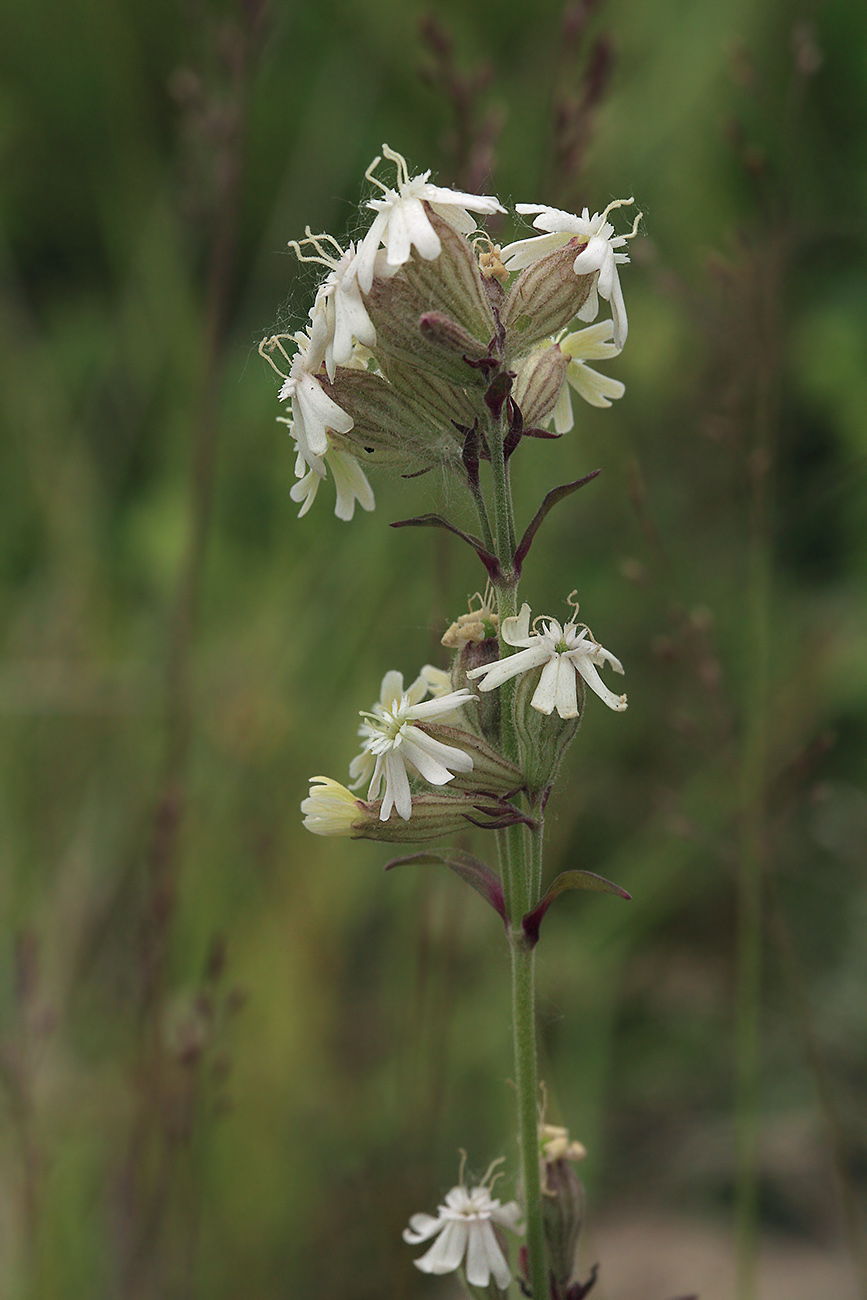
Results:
383 372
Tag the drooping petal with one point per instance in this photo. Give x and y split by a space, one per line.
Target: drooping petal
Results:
448 1250
545 695
484 1257
351 483
421 1228
397 792
585 666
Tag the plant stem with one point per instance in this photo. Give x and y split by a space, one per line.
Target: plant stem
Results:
524 1029
521 862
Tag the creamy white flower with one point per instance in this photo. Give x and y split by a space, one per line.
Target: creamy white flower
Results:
598 254
402 224
392 743
350 480
563 654
590 344
362 767
329 809
313 411
338 300
464 1232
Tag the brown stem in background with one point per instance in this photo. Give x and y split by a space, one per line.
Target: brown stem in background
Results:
471 144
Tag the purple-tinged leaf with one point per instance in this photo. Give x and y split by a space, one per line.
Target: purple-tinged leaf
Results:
565 881
498 392
516 429
478 875
536 432
556 494
491 563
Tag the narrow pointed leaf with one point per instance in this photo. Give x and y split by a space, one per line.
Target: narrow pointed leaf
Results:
556 494
491 563
565 881
478 875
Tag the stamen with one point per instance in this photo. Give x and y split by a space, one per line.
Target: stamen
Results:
400 163
267 346
615 203
369 176
490 1177
321 257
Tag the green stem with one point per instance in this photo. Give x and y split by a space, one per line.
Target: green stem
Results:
521 862
524 1028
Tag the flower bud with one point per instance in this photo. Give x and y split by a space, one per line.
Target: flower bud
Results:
544 738
538 381
473 654
544 299
562 1201
331 809
432 314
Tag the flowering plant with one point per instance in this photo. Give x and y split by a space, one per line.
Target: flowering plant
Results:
430 346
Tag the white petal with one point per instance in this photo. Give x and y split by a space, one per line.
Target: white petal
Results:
447 1251
595 388
502 670
397 791
567 689
391 689
516 630
618 311
433 759
367 250
485 1257
545 695
455 198
587 669
511 1216
351 483
421 1228
430 710
562 414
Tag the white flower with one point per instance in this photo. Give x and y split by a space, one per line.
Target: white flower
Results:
392 743
350 480
600 241
563 653
464 1231
313 411
401 222
329 809
590 344
338 301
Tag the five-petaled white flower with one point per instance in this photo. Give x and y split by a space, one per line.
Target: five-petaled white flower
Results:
590 344
401 222
563 654
338 300
392 743
465 1234
600 241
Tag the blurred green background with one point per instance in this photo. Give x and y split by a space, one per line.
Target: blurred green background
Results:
234 1057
